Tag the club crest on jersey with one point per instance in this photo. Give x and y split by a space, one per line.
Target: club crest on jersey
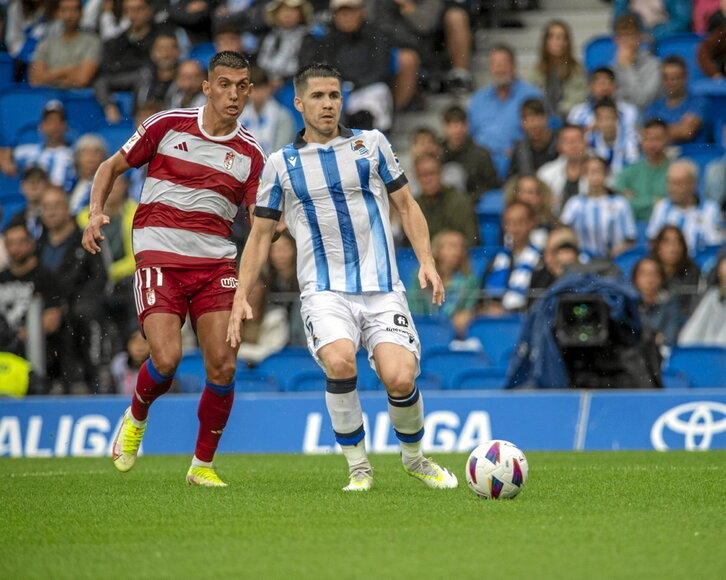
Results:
228 160
359 147
150 297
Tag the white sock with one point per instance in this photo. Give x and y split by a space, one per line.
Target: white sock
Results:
355 455
199 463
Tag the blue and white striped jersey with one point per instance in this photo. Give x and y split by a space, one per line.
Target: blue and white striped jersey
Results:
699 223
600 223
57 162
334 198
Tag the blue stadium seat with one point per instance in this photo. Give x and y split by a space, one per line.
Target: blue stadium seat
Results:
490 230
685 45
285 96
599 51
190 375
497 334
479 257
22 106
719 131
288 363
429 382
9 185
491 202
706 258
115 135
446 363
310 380
626 261
203 53
704 365
248 380
675 379
83 111
641 227
10 208
501 164
367 378
714 91
701 154
407 265
7 70
473 379
434 331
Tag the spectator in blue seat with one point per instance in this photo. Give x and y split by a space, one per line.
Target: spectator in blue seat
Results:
636 70
565 175
279 53
450 251
539 145
33 186
707 325
467 166
89 152
697 219
494 111
558 74
682 111
52 153
444 208
659 309
508 278
602 220
362 52
271 123
28 22
682 274
601 85
534 192
68 60
609 141
644 182
659 18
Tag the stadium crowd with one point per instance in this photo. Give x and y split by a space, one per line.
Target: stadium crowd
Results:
579 164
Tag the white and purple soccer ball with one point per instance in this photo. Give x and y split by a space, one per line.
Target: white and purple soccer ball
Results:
496 469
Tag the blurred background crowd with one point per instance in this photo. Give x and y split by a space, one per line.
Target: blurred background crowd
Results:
541 138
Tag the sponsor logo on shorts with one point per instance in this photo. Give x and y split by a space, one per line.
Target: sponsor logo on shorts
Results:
400 320
150 297
228 282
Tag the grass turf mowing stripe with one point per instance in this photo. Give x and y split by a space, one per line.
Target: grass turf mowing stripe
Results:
594 515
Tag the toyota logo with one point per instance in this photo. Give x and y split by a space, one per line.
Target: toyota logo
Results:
698 422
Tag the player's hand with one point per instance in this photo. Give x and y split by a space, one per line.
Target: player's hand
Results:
92 234
428 275
241 311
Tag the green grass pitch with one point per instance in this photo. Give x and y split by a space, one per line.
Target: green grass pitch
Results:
581 516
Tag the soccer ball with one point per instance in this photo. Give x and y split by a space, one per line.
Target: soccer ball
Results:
496 469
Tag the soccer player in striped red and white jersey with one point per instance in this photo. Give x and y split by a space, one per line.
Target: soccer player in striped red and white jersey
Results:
202 166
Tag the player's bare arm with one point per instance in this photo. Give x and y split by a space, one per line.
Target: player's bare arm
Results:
417 230
253 258
105 177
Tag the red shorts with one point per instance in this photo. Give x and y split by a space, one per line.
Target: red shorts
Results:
184 290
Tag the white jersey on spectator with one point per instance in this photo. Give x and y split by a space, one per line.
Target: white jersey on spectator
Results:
334 198
699 223
56 161
600 223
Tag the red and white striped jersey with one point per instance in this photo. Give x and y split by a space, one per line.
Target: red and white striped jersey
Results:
194 186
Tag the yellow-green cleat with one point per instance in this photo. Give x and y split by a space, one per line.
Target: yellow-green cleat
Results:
204 476
432 474
127 442
361 478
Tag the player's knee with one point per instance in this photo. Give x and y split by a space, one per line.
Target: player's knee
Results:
340 367
398 385
222 372
166 362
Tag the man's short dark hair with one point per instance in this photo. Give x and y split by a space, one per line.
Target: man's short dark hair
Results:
567 246
502 47
314 70
655 122
35 172
605 103
533 107
455 114
676 60
603 70
230 59
567 126
14 224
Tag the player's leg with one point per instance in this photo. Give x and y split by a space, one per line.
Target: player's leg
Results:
346 415
333 337
163 333
215 404
397 368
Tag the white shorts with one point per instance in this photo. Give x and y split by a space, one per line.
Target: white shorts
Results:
367 320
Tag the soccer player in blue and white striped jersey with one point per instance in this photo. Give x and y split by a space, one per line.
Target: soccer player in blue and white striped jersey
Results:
334 187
